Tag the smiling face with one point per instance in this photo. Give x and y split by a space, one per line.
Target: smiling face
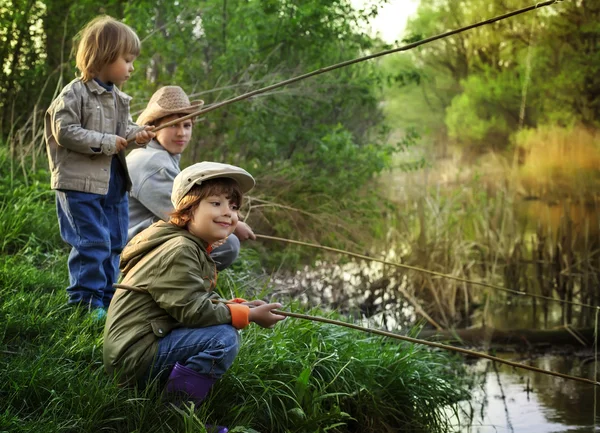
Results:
214 218
174 138
118 71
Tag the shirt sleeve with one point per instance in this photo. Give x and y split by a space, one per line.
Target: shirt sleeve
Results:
184 290
65 117
154 193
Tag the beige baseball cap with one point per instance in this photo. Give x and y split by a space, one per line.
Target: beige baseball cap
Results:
197 173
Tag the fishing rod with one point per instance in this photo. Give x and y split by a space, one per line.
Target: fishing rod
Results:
398 337
427 271
351 62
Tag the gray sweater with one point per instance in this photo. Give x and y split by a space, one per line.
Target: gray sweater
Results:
152 170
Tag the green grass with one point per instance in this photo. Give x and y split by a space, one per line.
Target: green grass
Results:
298 377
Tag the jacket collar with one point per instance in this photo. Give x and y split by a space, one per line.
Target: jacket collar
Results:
153 144
94 87
98 89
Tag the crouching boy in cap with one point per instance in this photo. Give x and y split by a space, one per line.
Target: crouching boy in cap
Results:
169 328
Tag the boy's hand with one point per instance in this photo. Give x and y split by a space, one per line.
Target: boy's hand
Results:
144 136
244 232
262 315
255 303
121 144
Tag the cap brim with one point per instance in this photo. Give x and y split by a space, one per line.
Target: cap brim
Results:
246 183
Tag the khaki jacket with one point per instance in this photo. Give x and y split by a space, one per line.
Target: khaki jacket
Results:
175 272
80 129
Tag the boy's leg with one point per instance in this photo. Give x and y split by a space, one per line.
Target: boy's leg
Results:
116 209
83 225
209 351
226 254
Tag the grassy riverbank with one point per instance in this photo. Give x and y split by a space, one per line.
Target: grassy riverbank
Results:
299 377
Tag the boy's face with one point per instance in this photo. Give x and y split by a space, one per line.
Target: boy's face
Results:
175 138
214 219
118 71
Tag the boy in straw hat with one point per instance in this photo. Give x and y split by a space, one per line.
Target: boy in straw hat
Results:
169 328
154 168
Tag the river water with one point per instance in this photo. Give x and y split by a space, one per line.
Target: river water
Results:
516 400
505 399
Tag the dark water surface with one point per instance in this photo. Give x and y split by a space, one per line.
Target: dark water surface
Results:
517 400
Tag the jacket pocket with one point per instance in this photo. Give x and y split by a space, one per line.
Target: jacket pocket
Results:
161 327
92 115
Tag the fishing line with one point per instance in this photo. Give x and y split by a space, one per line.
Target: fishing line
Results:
426 271
351 62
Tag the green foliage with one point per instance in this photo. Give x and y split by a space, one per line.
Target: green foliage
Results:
471 118
317 377
484 84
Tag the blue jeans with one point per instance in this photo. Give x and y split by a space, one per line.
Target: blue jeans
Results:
225 255
209 351
95 226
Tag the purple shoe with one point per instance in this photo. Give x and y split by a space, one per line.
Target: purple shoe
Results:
184 380
188 383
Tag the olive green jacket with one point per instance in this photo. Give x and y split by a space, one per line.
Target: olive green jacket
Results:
177 277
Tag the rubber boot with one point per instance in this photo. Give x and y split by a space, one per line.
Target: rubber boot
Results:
188 383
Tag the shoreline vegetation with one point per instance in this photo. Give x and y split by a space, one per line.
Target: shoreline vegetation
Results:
298 377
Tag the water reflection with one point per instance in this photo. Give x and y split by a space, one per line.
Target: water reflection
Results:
360 289
518 313
515 400
584 218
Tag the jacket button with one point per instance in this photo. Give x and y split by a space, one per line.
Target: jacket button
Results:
160 331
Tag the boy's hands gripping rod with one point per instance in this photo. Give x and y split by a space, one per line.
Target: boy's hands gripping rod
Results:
270 314
263 314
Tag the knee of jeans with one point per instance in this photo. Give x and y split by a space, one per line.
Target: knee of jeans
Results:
230 340
226 254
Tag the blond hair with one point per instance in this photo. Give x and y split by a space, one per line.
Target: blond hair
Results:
101 42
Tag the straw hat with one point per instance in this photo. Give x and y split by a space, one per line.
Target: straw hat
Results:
166 101
197 173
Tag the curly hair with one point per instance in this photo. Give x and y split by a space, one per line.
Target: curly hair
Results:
190 202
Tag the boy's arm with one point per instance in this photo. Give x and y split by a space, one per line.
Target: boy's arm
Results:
185 292
155 193
66 117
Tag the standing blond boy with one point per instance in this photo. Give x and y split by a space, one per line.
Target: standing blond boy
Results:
86 132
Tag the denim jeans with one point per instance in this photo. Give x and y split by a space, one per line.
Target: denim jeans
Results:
225 255
96 228
210 351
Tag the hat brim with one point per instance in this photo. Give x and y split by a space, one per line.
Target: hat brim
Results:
155 112
245 181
